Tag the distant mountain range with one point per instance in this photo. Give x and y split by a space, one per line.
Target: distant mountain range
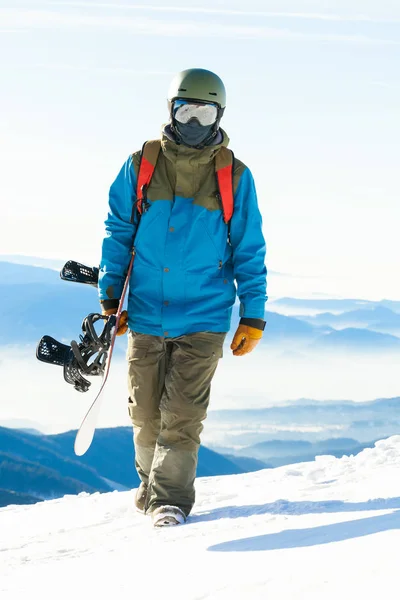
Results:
353 339
333 304
283 452
35 467
34 302
32 261
38 467
309 421
378 318
50 263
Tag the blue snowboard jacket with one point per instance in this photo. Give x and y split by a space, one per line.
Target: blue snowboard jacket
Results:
186 273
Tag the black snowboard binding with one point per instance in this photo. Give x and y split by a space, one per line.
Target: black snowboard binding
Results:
85 358
78 273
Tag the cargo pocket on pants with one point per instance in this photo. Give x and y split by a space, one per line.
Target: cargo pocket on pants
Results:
138 345
137 352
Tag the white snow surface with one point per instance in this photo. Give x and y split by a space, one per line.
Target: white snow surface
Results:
327 529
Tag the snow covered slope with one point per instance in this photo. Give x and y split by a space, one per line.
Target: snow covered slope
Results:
327 530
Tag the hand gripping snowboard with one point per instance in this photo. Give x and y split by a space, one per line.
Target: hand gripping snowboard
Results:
92 356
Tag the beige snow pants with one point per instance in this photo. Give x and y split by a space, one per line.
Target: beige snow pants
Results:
169 383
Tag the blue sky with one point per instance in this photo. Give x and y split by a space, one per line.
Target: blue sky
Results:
313 109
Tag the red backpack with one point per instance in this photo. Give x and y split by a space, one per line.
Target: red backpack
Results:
223 170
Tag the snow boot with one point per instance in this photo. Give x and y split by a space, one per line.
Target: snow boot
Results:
141 497
164 516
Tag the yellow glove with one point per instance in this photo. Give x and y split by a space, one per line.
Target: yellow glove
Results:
123 320
245 339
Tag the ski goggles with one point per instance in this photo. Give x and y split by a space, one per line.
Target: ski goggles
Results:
206 114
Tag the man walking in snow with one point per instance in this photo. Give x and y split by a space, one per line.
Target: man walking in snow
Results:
188 211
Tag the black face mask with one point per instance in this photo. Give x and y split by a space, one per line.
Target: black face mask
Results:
193 134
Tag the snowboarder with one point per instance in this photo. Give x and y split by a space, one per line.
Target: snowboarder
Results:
188 211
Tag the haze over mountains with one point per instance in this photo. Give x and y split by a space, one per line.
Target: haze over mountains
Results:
302 420
304 305
304 354
378 316
34 301
321 348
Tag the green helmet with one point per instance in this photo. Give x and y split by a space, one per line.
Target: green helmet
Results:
197 84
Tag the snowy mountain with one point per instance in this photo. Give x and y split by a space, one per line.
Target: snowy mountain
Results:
326 529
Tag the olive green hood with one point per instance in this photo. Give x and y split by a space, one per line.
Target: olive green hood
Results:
172 150
186 171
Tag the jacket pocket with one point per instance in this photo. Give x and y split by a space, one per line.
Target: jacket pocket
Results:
202 252
205 295
217 253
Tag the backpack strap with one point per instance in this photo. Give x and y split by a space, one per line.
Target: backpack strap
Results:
224 161
148 161
224 171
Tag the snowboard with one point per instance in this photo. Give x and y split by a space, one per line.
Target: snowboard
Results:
53 352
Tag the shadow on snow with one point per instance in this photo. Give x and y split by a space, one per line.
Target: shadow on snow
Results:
311 536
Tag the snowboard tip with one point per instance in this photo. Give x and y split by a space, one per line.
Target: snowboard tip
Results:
81 446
